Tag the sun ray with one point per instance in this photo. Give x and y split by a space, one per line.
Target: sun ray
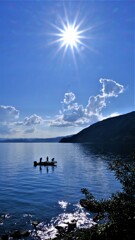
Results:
71 35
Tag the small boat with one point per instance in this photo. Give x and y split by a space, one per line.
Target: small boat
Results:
46 163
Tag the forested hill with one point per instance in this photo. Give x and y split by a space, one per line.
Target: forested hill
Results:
120 129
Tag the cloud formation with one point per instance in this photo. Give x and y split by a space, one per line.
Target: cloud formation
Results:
69 97
8 113
74 114
10 124
71 114
110 88
32 120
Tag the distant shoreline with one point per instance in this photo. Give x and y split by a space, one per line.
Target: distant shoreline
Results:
29 140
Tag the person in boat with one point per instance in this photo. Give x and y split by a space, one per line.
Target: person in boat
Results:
47 158
40 159
52 159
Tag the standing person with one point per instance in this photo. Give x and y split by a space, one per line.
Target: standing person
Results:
47 158
40 159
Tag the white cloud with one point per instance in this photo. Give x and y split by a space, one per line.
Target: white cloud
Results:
7 128
8 113
69 97
74 114
110 88
9 124
95 105
32 120
30 123
59 122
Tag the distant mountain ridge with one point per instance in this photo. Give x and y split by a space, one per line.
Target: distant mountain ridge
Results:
30 140
116 130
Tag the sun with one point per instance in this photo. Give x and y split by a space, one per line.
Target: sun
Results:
69 36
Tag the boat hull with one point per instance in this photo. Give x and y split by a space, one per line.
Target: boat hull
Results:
46 163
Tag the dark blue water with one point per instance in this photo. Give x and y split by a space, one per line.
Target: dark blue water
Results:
29 193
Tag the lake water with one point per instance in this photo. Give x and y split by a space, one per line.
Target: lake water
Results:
28 193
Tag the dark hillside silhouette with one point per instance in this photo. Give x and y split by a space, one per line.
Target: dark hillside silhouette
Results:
115 130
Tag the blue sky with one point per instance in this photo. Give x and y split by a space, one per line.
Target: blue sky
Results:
50 87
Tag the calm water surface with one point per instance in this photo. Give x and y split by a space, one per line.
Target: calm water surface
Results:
29 193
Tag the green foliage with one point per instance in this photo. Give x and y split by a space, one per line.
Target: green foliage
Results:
88 194
118 213
125 173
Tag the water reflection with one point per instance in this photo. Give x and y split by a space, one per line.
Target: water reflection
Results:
111 150
47 169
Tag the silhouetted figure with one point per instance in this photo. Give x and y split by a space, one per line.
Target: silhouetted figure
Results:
52 159
40 160
47 158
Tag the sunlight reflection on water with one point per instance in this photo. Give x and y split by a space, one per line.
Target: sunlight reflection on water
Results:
79 216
